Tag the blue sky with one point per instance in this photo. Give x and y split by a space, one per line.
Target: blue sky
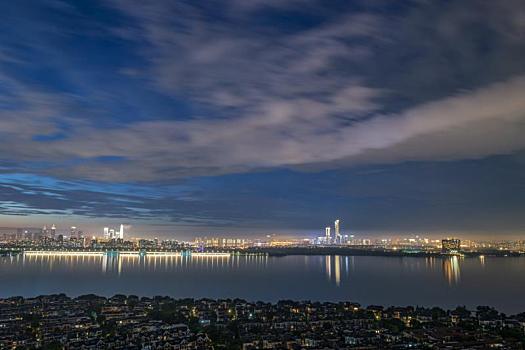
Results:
252 117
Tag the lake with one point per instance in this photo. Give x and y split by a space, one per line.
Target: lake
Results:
445 282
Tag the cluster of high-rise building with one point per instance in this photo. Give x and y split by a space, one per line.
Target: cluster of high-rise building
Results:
49 232
52 233
113 233
336 238
217 242
450 246
46 232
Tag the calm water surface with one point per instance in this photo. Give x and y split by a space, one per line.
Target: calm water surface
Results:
445 282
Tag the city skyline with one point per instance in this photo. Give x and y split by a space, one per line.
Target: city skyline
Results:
321 236
183 119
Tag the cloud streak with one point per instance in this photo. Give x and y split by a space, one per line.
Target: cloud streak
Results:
270 98
294 133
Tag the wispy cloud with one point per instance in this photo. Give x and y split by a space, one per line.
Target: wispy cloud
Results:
272 97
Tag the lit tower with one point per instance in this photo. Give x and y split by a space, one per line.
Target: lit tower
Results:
337 233
121 232
328 234
106 232
53 231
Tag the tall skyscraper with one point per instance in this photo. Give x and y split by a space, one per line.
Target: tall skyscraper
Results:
121 232
53 231
337 233
450 246
328 237
114 233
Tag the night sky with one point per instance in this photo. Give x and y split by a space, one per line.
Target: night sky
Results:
252 117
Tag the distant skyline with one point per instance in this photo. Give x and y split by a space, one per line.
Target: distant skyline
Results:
259 117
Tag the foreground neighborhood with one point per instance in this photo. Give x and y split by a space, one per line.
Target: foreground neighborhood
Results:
130 322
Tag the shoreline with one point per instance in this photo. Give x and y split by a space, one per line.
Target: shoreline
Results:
270 252
346 251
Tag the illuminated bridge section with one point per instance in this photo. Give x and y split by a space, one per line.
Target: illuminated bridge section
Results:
124 253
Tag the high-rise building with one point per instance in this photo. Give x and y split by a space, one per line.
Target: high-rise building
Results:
73 232
450 246
114 233
53 231
337 233
327 232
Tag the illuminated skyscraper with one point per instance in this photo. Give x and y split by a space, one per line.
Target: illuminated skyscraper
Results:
450 246
337 233
53 231
113 233
121 232
328 237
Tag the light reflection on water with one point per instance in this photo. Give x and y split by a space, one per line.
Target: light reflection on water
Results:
335 261
119 264
335 267
451 270
370 280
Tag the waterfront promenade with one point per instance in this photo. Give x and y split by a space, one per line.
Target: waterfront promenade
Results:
122 253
